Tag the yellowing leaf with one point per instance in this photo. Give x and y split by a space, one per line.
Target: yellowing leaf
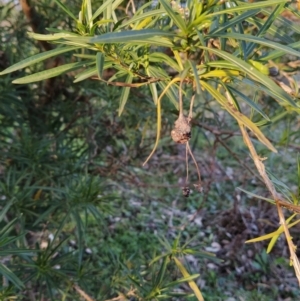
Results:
191 283
158 106
37 195
220 73
274 235
238 115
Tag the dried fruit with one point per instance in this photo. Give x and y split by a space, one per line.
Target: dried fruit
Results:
186 191
182 130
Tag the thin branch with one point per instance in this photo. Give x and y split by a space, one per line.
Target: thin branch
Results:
180 99
279 204
199 185
82 293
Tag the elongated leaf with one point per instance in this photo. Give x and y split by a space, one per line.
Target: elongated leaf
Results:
158 106
285 23
125 94
159 57
37 58
86 74
4 210
246 7
191 283
48 73
252 72
104 6
52 37
236 20
26 252
142 15
258 86
261 41
273 30
194 69
176 18
158 258
89 19
161 274
278 53
100 63
154 94
250 102
220 73
256 196
267 23
159 73
238 115
65 9
9 275
144 36
182 280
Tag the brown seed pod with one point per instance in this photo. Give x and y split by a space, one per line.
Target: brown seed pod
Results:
186 191
182 130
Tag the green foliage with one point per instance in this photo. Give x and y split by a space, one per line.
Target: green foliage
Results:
69 177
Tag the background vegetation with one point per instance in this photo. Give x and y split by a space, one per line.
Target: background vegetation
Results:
82 219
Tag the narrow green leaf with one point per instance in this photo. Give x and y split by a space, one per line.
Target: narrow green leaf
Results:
158 258
159 73
176 18
238 115
4 210
103 7
89 13
53 36
171 93
109 10
182 280
236 20
93 71
273 94
154 94
278 53
298 163
144 36
267 23
9 275
100 63
256 196
26 252
161 274
273 30
125 94
37 58
285 23
253 73
65 9
261 41
250 102
194 69
161 58
143 16
77 43
245 7
48 73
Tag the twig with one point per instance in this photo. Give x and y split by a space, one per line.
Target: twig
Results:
180 99
82 293
199 186
279 204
